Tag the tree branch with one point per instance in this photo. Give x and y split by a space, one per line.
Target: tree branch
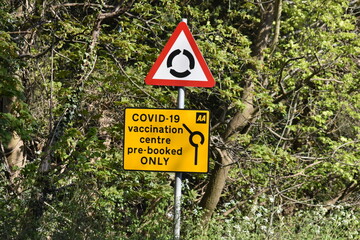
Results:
278 10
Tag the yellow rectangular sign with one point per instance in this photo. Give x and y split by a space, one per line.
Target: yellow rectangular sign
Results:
168 140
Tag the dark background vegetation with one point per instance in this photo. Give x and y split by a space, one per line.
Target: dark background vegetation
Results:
285 121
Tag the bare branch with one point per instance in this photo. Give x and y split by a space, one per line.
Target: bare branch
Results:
86 4
278 10
123 71
301 173
279 136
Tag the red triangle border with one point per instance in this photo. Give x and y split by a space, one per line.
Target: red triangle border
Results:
182 27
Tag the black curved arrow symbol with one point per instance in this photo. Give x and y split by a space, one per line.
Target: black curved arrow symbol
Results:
171 58
180 74
190 57
194 144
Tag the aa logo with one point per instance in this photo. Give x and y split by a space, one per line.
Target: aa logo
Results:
200 117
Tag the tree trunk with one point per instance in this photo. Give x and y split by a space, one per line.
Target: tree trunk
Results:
242 118
216 184
220 172
14 149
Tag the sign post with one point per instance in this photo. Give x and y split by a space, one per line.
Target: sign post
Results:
172 140
178 177
149 146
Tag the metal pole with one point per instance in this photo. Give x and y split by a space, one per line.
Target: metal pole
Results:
178 175
181 98
178 178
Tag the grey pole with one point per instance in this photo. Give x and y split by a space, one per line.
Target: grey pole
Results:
178 178
178 175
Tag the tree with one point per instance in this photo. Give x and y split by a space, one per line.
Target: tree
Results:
308 51
243 117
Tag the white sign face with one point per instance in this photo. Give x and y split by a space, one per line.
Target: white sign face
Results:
181 59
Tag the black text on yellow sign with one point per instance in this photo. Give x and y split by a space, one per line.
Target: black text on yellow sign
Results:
169 140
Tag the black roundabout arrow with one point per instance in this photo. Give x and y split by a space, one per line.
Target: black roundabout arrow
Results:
192 143
190 57
171 58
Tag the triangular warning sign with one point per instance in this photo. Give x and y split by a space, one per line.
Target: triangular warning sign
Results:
180 63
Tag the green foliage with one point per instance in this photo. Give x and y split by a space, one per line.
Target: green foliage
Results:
14 115
269 223
299 153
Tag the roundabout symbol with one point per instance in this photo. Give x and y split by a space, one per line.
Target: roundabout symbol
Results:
194 143
180 63
170 61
